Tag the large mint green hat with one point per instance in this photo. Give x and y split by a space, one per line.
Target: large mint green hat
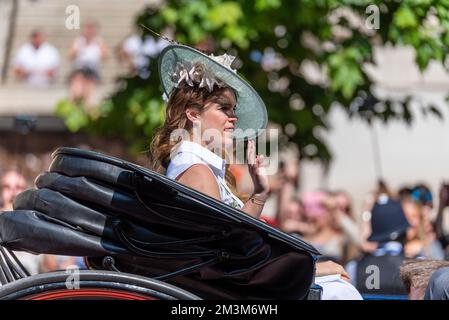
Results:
178 63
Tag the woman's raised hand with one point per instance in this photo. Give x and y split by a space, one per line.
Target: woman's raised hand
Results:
257 171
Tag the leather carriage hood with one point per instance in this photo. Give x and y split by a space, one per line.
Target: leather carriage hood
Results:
156 186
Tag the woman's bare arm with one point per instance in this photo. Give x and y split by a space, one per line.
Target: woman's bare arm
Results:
200 178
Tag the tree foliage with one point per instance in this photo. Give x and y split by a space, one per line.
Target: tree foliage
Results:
275 41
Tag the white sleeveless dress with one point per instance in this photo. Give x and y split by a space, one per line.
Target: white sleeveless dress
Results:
190 153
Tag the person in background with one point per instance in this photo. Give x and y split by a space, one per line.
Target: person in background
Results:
421 238
292 219
87 52
37 62
12 183
324 219
389 229
438 287
438 225
381 194
51 263
416 275
333 227
325 237
339 205
137 51
290 209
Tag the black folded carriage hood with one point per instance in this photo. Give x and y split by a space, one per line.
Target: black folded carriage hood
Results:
124 217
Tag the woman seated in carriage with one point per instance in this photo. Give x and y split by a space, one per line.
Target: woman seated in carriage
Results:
210 108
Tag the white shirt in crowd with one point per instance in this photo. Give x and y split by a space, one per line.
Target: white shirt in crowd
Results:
190 153
37 62
141 50
89 54
30 261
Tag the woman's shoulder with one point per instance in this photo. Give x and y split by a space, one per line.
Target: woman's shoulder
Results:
200 177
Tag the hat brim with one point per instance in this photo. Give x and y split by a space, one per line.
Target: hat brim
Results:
250 109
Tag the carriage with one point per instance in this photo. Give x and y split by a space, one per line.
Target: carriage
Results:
144 236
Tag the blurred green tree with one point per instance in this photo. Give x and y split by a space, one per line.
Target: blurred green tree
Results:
276 41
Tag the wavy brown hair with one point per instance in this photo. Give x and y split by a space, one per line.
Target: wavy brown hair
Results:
180 99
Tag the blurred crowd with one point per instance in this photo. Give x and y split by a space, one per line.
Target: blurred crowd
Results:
392 229
38 63
326 218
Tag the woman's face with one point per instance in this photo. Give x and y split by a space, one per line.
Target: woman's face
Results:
218 119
